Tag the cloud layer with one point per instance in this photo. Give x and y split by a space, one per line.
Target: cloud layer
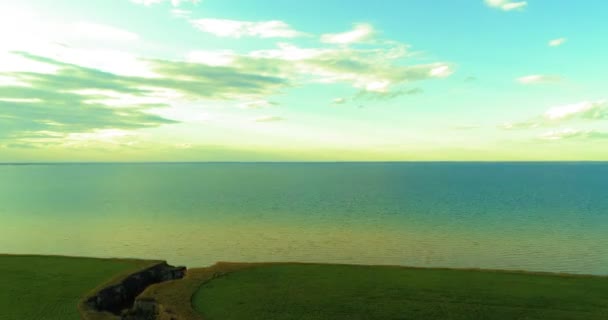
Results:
239 29
175 3
92 92
584 111
76 99
557 42
361 32
269 119
581 113
539 79
571 134
589 110
506 5
374 71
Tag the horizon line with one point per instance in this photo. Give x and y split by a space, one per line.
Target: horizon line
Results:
296 162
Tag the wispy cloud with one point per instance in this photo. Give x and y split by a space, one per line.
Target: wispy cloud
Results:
569 133
591 110
557 42
101 31
212 58
32 30
539 79
180 13
465 127
269 119
239 29
193 80
379 69
506 5
257 104
175 3
581 111
96 92
361 32
520 125
76 99
385 95
339 101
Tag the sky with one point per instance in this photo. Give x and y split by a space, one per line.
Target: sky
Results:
318 80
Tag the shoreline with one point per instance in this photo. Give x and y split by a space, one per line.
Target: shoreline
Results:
440 268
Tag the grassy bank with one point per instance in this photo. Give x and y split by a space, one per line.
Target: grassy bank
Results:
38 287
302 291
50 287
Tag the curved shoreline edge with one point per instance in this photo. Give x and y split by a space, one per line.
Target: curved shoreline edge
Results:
174 299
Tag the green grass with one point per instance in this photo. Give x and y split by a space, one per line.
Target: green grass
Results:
50 287
300 291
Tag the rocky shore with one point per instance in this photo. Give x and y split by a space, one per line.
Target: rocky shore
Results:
119 299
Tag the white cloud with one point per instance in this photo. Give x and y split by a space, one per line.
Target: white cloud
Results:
147 2
361 32
377 69
338 101
238 29
115 99
102 135
185 113
22 29
561 134
268 119
569 133
539 79
289 52
520 125
10 62
441 71
20 100
98 137
463 127
587 109
212 58
256 104
184 146
557 42
11 81
114 61
100 31
175 3
180 13
506 5
29 30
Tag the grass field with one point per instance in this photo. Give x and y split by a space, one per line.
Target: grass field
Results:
302 292
50 287
37 287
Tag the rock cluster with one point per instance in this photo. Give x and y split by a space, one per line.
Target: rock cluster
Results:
121 297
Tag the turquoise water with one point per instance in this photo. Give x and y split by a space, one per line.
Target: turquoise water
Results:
530 216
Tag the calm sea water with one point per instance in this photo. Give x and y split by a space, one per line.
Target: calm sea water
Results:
531 216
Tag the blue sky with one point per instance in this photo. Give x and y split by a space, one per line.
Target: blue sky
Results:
153 80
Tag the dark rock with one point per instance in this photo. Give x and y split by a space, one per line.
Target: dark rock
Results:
143 309
121 296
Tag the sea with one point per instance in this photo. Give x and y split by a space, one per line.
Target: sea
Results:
516 216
